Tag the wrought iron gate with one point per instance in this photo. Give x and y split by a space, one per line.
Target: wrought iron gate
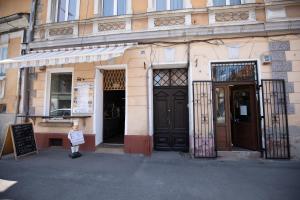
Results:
275 129
204 138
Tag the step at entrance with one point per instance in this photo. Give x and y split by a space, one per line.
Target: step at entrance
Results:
110 148
239 155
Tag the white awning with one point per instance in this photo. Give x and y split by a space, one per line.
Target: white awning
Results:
66 56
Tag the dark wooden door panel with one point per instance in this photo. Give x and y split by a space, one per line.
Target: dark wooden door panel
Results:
170 118
244 117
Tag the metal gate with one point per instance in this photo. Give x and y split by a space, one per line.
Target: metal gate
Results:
204 137
275 129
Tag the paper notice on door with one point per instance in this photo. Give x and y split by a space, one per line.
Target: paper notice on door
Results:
243 110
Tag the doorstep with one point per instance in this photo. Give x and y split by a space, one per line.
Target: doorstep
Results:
110 149
239 155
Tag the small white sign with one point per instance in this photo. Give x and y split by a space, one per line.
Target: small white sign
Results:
76 137
243 110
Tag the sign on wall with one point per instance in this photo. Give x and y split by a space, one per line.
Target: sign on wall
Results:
83 98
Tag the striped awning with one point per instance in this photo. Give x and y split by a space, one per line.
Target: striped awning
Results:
66 56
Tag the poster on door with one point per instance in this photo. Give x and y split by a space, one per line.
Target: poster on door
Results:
83 98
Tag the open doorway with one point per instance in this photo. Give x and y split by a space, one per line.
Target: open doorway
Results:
114 107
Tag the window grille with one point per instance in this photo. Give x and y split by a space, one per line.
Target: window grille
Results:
170 77
114 80
234 71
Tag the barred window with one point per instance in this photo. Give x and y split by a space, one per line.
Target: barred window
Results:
170 77
234 71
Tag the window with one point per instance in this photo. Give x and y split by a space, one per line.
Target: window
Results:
114 7
235 71
2 108
169 5
3 55
64 10
220 105
60 94
226 2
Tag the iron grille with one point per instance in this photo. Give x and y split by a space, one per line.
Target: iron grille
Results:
170 77
204 137
114 79
234 71
276 134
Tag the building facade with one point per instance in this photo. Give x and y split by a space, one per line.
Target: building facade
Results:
14 21
199 76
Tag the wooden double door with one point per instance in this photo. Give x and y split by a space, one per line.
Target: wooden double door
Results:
171 118
236 117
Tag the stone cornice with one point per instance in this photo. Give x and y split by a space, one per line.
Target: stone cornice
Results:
191 33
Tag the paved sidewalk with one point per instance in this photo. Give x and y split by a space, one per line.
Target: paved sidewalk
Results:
166 175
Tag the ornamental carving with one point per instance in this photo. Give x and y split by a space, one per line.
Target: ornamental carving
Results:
232 16
61 31
169 21
111 26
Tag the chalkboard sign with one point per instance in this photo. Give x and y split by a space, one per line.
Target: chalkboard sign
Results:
23 137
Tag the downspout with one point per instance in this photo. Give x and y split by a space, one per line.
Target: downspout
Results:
17 106
29 39
148 100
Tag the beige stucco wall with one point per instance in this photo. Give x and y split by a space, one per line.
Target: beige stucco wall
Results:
11 80
200 19
293 11
10 7
199 3
139 6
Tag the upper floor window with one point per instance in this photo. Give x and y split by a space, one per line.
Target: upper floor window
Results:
226 2
63 10
114 7
168 5
3 55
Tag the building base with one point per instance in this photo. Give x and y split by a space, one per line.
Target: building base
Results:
46 140
139 144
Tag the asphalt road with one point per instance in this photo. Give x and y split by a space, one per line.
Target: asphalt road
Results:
166 175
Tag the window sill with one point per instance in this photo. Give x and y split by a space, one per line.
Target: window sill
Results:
246 5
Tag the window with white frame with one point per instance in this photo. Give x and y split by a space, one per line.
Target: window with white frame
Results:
60 94
114 7
3 55
64 10
161 5
226 2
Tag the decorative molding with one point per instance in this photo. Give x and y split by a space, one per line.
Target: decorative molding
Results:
232 16
169 21
111 26
158 34
61 31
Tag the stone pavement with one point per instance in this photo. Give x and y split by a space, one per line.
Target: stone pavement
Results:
166 175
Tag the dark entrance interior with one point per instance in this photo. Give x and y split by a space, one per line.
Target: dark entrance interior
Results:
170 98
114 116
113 106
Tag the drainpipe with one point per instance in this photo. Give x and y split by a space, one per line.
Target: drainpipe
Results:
17 106
29 39
148 98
